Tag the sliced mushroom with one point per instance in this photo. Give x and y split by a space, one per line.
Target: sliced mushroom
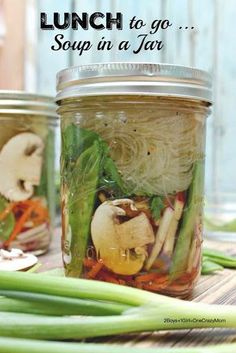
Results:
20 166
16 260
137 232
121 246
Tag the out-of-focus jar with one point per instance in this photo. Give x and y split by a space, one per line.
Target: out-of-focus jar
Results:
132 167
27 185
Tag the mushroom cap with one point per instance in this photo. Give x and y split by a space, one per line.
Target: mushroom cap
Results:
121 246
20 166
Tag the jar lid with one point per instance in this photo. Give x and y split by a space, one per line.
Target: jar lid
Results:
20 102
134 79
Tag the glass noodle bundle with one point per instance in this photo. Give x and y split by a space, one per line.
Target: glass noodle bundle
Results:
154 153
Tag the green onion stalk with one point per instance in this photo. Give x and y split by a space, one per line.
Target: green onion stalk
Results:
220 258
33 346
214 260
42 304
148 311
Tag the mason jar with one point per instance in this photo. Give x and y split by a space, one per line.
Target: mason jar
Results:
132 171
27 184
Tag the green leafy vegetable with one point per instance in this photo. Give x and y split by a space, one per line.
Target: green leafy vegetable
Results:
156 205
74 141
111 177
81 157
86 166
8 223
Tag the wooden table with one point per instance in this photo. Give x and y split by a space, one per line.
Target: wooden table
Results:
218 289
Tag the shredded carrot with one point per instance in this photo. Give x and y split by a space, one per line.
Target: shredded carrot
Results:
139 285
187 277
24 204
127 278
161 279
110 278
88 262
160 264
107 276
6 211
20 224
39 214
155 287
146 278
95 270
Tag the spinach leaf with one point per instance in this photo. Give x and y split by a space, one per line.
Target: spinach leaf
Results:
111 178
86 168
8 223
156 205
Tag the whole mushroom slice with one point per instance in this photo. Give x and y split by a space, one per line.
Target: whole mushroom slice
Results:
121 246
20 166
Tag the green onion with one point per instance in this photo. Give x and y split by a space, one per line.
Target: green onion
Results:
32 303
214 260
209 267
186 232
150 311
77 288
73 327
35 268
220 258
224 227
34 346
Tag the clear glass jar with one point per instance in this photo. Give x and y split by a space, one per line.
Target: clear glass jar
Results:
27 185
132 170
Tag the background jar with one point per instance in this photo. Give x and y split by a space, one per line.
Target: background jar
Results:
27 164
132 166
